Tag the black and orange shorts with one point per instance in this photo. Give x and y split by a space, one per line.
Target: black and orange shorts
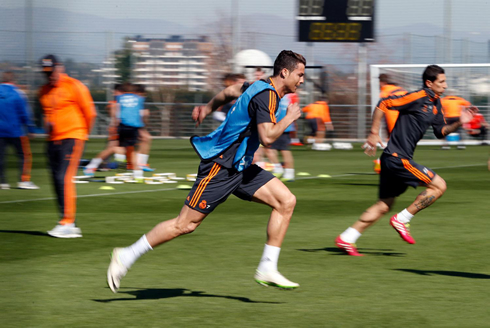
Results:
215 183
397 174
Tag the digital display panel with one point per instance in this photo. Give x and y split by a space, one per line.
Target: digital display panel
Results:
336 20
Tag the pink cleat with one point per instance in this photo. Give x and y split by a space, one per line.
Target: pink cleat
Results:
349 248
402 228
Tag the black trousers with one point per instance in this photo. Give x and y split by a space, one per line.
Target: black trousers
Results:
64 158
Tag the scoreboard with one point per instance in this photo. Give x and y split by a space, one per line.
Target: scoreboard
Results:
335 20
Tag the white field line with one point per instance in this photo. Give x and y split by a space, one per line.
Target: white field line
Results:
169 189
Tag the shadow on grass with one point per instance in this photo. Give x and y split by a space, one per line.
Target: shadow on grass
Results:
365 251
23 232
447 273
162 293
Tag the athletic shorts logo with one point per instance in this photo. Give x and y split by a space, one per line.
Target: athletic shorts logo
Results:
188 198
429 173
202 204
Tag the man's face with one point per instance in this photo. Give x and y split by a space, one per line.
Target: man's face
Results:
439 85
54 76
295 78
259 75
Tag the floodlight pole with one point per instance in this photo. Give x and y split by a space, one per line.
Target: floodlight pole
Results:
448 31
361 90
29 60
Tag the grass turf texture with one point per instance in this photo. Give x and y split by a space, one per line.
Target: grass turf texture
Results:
206 279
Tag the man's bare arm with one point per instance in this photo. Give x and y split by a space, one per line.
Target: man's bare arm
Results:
466 116
373 139
223 97
269 132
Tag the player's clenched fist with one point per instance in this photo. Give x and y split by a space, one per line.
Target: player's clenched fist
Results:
294 111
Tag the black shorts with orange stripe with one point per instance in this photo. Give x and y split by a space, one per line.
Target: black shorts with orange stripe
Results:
397 174
215 183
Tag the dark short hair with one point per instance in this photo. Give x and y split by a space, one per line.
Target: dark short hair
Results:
289 60
228 77
139 88
430 73
8 77
127 87
240 76
385 78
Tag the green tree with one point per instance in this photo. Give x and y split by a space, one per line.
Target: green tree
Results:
123 62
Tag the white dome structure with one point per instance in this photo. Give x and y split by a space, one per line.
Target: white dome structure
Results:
252 57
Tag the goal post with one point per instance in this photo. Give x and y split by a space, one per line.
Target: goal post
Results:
470 81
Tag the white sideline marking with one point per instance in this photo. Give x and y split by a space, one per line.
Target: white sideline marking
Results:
169 189
90 195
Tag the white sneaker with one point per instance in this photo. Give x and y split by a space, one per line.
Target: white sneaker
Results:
65 231
275 279
116 271
27 185
4 186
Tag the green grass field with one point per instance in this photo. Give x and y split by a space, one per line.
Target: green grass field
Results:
205 279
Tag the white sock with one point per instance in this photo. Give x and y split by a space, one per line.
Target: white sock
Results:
350 235
142 159
269 259
138 173
288 174
278 169
129 255
119 157
94 163
404 216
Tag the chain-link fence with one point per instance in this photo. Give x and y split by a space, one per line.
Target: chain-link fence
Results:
173 120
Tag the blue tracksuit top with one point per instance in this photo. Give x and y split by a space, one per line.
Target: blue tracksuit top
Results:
238 119
14 112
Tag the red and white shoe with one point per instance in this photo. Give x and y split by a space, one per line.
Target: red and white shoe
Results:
349 248
403 229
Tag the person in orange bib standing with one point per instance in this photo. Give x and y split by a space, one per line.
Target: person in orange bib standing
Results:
388 88
69 114
318 118
452 106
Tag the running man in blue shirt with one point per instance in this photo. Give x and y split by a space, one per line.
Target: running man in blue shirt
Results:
226 168
128 112
14 117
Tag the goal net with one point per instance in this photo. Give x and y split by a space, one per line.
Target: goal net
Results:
470 81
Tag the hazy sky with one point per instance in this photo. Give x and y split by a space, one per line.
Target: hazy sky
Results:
467 15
